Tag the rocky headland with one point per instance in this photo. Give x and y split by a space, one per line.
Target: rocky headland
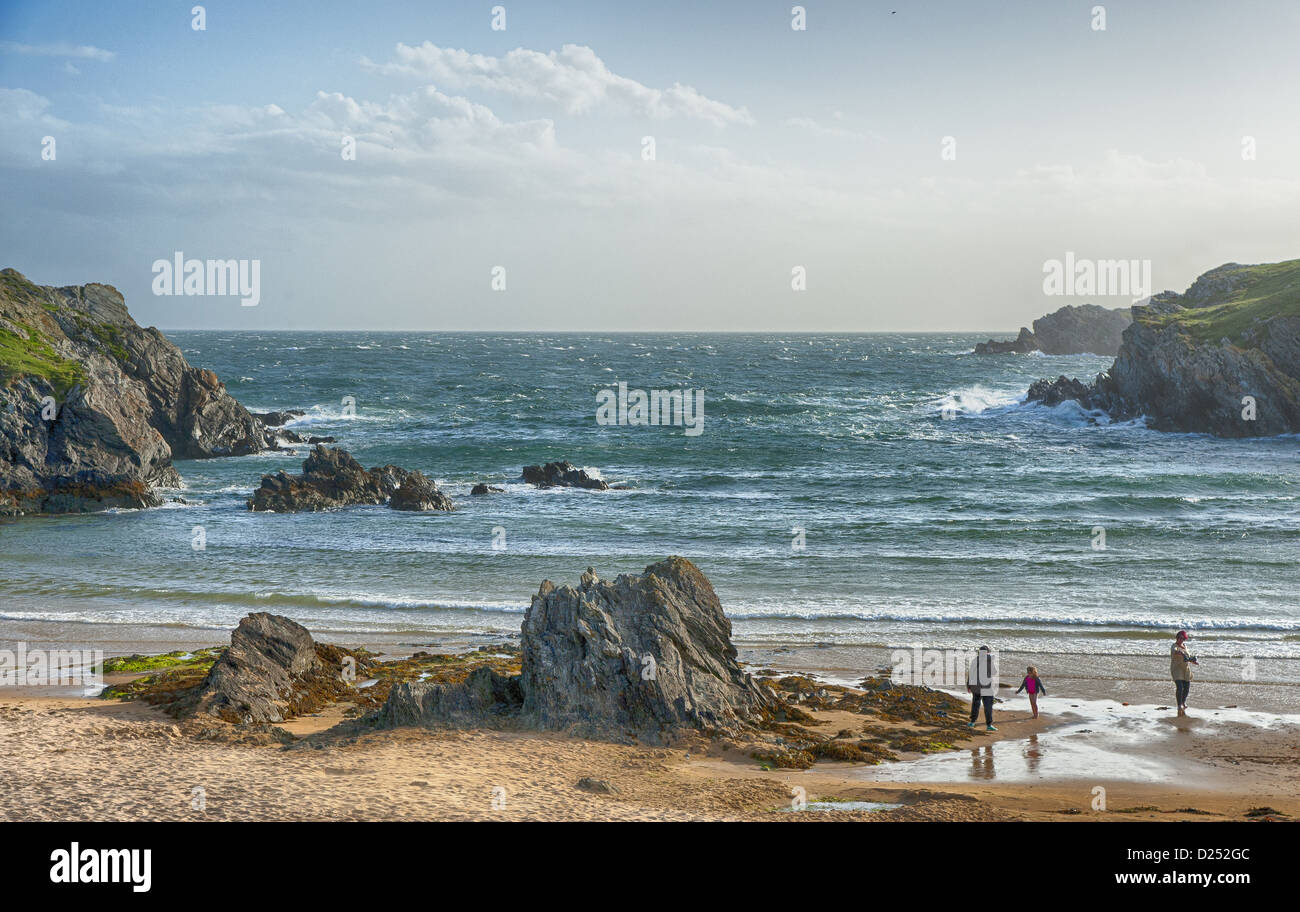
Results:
1222 358
94 407
1072 330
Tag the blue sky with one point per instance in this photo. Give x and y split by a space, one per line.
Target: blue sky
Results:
522 149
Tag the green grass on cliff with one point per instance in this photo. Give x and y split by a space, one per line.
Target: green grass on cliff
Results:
36 357
17 287
1270 290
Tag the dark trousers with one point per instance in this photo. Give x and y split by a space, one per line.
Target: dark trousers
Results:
1182 687
975 700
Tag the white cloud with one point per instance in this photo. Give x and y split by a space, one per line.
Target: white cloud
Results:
23 106
58 49
573 78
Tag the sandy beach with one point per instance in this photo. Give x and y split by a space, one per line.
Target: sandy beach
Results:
71 757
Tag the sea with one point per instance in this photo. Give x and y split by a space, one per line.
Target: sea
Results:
873 491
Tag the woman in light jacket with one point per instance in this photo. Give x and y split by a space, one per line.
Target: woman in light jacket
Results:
1180 668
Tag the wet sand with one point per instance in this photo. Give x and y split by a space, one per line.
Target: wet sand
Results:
1134 679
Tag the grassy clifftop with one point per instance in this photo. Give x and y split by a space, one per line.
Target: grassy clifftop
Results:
25 351
1232 299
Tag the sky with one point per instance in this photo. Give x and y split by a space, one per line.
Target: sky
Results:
518 157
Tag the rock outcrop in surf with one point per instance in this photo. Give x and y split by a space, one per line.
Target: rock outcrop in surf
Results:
1223 358
562 475
1071 330
94 408
643 657
332 478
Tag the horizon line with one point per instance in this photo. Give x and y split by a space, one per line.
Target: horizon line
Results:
619 332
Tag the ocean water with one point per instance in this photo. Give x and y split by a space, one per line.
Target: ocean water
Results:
937 509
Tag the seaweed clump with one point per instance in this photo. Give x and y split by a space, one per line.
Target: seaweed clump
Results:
936 719
362 679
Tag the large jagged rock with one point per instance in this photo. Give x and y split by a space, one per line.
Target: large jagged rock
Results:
641 655
644 657
1196 362
562 475
1071 330
331 478
272 672
122 403
1082 329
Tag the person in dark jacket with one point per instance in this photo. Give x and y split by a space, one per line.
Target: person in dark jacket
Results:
982 683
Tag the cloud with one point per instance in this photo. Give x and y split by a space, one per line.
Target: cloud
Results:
23 106
58 49
573 78
812 127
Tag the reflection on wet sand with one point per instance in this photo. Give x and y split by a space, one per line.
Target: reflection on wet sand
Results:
982 762
1033 756
1103 740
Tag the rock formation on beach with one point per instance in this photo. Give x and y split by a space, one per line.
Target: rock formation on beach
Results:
1071 330
272 672
331 478
94 408
643 657
562 475
1223 358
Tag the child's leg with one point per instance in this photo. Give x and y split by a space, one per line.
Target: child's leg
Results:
1033 704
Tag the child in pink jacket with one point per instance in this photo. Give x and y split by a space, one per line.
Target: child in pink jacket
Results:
1034 685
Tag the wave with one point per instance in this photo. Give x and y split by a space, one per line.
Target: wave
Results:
326 598
974 400
1072 413
335 414
1049 620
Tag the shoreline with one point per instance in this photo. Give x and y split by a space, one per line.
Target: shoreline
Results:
1124 678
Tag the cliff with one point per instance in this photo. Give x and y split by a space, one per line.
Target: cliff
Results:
1072 330
93 407
1222 358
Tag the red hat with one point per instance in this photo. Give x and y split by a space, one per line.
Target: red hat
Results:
1182 635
